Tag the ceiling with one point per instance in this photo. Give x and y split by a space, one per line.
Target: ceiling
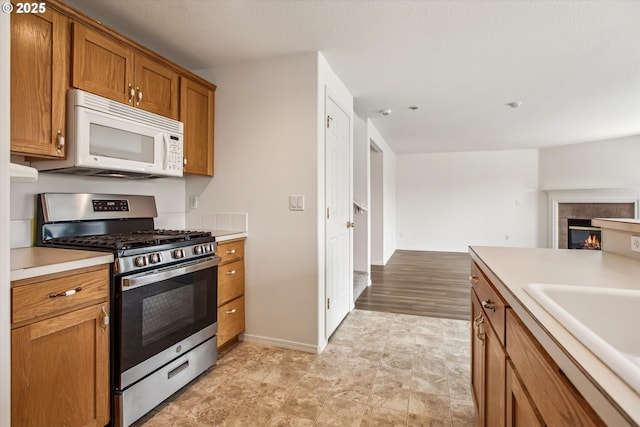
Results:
573 65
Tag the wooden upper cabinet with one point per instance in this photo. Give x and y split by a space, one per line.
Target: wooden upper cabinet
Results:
101 66
197 110
110 69
156 87
39 80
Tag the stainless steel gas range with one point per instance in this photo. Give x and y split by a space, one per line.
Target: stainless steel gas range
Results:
163 292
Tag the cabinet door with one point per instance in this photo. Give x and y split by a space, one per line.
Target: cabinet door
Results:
197 114
156 87
102 66
521 411
488 364
60 371
477 357
555 398
39 80
495 379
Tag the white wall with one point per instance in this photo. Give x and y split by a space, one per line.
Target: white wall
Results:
265 150
169 194
448 201
5 254
383 184
361 250
610 163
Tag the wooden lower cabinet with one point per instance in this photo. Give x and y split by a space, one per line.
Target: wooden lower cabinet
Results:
521 412
551 393
230 291
514 381
60 358
487 370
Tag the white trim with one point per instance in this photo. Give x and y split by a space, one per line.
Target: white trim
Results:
5 215
275 342
594 195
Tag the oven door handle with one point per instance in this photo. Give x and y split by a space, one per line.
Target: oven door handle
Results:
168 273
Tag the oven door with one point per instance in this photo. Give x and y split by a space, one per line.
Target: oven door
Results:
159 309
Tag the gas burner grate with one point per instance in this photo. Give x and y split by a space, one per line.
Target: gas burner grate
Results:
133 240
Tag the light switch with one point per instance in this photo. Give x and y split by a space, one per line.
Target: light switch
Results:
296 202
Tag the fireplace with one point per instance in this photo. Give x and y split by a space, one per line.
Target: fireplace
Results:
583 235
584 205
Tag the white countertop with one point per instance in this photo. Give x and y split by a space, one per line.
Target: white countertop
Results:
514 268
38 261
222 235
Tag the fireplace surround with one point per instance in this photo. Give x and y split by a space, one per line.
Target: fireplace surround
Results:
586 205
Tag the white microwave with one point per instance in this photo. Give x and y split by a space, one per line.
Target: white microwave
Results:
108 138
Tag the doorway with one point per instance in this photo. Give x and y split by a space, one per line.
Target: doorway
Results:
339 215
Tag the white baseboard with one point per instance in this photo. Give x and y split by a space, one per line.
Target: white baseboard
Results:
275 342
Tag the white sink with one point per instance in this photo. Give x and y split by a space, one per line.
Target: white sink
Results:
605 320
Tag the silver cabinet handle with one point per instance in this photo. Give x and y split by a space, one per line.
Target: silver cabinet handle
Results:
233 310
477 322
105 319
59 141
65 293
231 252
229 273
488 305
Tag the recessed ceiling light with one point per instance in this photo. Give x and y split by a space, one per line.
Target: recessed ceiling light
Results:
385 112
413 107
514 104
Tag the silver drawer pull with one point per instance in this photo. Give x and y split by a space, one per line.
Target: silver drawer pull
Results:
230 273
233 310
488 305
473 279
65 293
231 252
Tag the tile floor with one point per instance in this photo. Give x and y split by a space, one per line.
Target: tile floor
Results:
379 369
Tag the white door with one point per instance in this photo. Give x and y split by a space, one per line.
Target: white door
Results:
338 215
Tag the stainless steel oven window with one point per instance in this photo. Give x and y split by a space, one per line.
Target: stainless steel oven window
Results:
166 313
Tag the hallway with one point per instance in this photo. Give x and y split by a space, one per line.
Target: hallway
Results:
423 283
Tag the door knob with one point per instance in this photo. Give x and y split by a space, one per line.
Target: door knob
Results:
350 224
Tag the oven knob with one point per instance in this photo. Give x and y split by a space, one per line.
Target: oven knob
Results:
155 258
209 248
178 253
140 261
197 250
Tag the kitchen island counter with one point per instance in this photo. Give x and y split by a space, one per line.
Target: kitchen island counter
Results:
511 269
36 261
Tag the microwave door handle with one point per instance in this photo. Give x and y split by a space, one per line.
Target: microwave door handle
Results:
166 151
167 273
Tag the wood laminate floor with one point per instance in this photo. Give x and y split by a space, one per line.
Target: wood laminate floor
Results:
422 283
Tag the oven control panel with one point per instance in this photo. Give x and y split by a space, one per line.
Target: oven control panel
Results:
157 258
110 205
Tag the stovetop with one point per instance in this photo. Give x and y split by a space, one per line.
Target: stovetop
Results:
123 242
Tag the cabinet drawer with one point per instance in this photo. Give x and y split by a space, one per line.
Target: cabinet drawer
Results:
230 281
230 320
556 399
230 251
493 306
35 301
